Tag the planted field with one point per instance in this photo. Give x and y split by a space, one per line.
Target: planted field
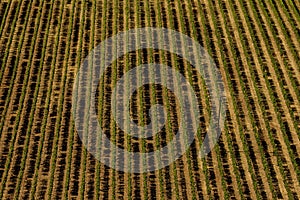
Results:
256 47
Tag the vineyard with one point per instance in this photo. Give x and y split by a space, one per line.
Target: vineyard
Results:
255 45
